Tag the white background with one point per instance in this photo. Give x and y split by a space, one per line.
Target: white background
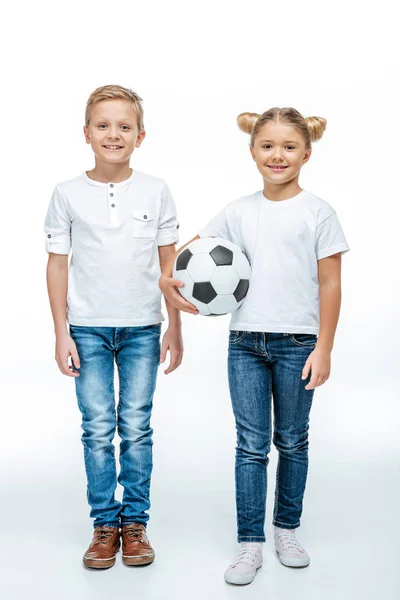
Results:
197 66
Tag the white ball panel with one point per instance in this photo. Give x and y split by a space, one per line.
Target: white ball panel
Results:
201 267
241 265
225 280
223 304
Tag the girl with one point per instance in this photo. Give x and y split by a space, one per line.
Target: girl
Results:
294 243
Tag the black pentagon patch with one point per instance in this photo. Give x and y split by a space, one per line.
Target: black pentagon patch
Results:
241 290
204 292
222 256
183 260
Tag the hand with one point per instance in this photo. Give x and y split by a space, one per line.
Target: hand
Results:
319 362
65 347
173 342
169 287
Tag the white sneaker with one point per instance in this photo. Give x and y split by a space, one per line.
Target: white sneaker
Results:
244 568
290 551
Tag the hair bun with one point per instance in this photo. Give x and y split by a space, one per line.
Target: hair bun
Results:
246 121
316 127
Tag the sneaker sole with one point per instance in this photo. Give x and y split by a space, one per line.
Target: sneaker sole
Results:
138 560
297 563
241 580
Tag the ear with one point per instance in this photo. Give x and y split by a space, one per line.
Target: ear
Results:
86 134
252 152
140 138
307 155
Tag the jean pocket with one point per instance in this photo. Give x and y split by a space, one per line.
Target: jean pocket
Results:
307 340
236 336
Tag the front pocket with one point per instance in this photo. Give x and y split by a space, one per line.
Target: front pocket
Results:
304 339
235 336
143 224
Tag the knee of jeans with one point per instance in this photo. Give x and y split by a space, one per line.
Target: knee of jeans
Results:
253 448
99 431
290 443
135 435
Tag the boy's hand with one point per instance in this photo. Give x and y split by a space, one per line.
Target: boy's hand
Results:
168 286
319 362
173 342
65 347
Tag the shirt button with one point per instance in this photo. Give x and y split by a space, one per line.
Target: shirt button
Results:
113 205
144 216
111 194
111 185
49 236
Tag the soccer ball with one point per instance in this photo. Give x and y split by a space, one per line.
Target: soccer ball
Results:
216 275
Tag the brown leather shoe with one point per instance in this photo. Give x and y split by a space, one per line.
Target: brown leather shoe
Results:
136 548
101 552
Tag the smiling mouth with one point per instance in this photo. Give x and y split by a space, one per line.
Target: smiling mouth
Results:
277 167
112 147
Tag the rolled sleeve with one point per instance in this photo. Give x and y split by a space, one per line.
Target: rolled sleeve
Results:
57 225
168 226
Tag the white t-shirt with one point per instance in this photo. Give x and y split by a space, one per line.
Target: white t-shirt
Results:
283 241
114 230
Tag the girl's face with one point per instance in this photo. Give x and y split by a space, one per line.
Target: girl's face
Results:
113 130
279 152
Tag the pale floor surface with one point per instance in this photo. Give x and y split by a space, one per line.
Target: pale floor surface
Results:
354 552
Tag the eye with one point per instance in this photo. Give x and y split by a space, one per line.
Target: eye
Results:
290 148
126 127
267 146
101 125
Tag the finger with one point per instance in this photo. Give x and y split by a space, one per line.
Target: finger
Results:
177 282
163 353
174 364
312 384
75 358
306 370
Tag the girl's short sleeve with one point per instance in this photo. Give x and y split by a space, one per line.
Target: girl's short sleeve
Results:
330 238
217 227
57 225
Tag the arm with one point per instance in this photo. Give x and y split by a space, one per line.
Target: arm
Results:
172 339
57 284
169 285
319 361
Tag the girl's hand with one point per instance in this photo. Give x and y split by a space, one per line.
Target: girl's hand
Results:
65 347
173 342
319 362
169 287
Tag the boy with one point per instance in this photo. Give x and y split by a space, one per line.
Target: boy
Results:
122 228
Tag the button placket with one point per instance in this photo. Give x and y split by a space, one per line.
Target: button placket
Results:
112 204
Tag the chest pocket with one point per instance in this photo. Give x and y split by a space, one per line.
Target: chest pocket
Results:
143 224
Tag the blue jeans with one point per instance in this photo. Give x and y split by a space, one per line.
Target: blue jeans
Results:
136 352
262 366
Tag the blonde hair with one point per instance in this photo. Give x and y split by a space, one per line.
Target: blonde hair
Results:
115 92
310 128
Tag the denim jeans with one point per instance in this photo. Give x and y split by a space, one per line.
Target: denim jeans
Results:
136 352
262 366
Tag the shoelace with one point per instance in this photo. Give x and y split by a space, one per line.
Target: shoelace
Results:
289 542
134 534
102 536
246 556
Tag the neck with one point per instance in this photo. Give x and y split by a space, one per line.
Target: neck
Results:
282 191
105 172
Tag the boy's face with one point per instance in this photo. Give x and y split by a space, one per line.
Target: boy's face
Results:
279 152
113 131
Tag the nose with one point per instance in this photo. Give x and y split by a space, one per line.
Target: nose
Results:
277 154
113 133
